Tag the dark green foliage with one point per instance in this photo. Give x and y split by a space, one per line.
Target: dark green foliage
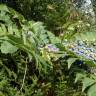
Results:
27 66
52 12
25 69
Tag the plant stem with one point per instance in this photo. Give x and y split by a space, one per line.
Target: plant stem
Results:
24 78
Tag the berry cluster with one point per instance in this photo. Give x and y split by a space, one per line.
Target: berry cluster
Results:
82 49
52 48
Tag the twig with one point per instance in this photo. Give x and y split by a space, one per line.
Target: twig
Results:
24 78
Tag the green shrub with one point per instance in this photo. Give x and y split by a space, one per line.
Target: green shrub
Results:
29 68
53 13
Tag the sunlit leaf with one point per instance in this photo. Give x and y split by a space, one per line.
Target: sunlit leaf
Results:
92 90
71 61
87 82
7 47
4 8
79 76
